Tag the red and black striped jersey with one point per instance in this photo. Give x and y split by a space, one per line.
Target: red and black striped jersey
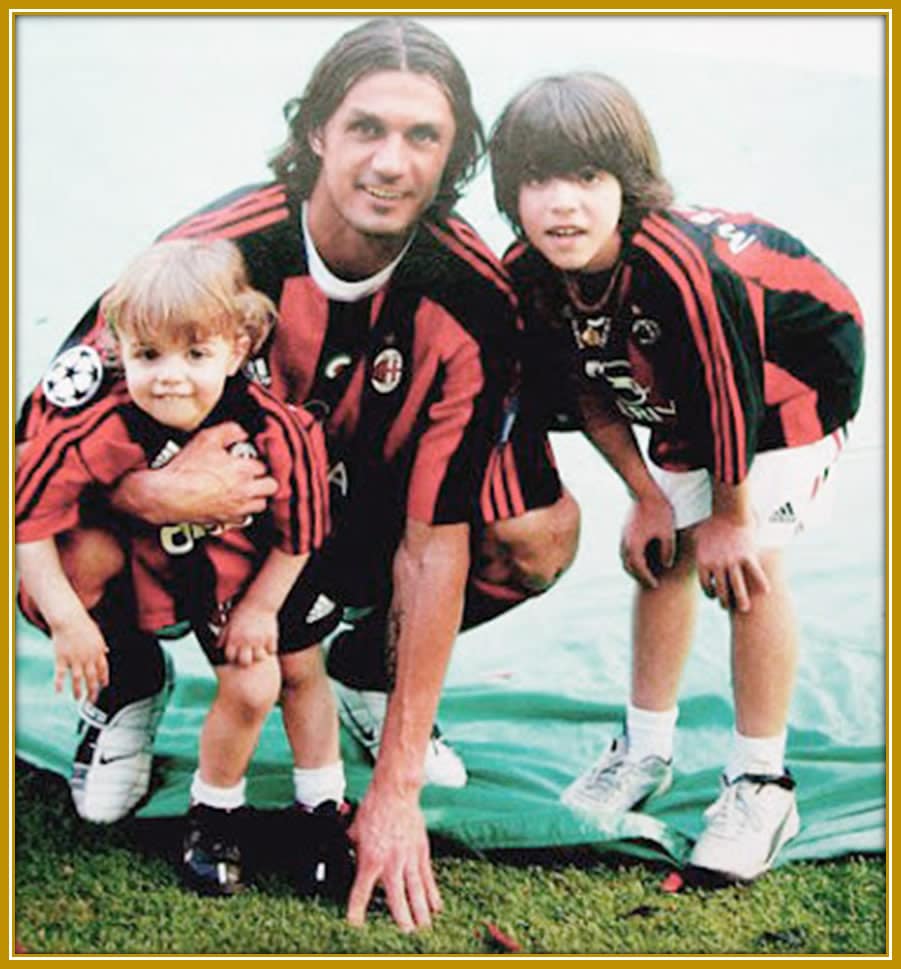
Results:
720 332
411 381
182 570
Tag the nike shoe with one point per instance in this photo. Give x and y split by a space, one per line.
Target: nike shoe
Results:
324 863
111 768
211 850
615 784
746 827
363 714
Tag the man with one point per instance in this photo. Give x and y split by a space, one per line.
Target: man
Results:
398 327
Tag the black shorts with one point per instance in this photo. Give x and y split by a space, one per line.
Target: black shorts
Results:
307 617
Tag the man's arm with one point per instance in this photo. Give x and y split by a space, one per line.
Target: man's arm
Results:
202 483
430 569
651 516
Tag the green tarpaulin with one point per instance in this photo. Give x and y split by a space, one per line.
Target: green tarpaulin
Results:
532 697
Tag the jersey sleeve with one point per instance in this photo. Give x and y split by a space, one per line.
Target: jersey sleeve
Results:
60 464
293 447
78 375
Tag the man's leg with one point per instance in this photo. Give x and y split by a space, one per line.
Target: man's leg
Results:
111 766
357 666
531 541
521 557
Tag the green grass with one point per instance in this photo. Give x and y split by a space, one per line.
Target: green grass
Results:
86 889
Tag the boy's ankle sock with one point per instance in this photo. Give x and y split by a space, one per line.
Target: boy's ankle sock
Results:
314 785
650 733
222 798
756 755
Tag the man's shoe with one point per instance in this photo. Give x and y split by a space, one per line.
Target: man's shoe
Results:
363 713
111 767
211 850
746 826
323 861
614 784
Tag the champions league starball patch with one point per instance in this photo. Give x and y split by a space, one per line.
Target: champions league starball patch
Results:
74 377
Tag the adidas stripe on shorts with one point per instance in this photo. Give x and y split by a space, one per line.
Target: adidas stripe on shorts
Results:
789 491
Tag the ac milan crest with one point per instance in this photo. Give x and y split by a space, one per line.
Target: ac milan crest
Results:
387 370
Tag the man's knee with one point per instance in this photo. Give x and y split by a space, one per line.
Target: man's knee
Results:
90 557
536 548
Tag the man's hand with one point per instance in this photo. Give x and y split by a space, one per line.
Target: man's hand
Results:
204 482
393 850
650 520
729 568
250 635
80 650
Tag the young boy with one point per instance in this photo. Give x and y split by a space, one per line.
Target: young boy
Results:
181 320
743 354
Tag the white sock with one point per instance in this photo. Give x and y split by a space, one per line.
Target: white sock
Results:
224 798
756 755
650 732
313 785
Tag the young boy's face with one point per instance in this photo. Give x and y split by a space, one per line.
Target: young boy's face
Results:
573 220
178 384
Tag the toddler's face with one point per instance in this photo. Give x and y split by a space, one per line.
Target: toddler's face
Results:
573 220
178 384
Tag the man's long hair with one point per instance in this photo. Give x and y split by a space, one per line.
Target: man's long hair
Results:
390 44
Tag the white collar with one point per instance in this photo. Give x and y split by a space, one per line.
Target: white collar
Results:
343 290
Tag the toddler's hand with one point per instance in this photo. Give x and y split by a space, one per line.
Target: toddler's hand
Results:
250 635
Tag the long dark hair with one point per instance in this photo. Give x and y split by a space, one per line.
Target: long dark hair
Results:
388 44
561 125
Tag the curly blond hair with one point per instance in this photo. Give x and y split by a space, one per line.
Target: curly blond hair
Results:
187 290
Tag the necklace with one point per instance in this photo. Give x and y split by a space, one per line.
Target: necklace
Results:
580 302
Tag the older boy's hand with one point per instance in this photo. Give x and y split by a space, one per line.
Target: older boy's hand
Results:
728 565
80 650
250 635
648 543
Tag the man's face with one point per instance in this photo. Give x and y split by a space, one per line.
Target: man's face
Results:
383 154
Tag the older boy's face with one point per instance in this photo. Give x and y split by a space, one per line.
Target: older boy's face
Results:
573 220
383 154
178 384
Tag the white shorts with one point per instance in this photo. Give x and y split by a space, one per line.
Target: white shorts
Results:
788 490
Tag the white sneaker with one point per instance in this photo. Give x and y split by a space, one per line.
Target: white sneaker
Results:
746 826
111 768
363 713
614 784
